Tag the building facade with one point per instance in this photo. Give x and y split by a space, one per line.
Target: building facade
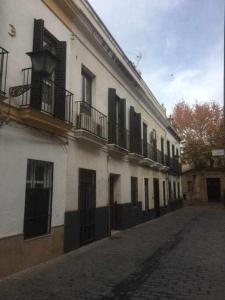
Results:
85 148
206 185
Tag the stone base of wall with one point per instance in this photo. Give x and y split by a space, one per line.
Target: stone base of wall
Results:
17 254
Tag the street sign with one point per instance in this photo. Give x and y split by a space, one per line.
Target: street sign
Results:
218 152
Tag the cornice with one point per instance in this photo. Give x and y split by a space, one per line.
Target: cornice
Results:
75 14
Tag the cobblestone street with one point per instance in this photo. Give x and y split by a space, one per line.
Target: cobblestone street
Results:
178 256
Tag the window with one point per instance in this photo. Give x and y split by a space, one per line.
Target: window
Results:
145 149
162 150
134 191
48 88
38 199
168 153
153 139
86 87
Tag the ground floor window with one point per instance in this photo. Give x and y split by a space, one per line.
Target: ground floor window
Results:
134 191
38 198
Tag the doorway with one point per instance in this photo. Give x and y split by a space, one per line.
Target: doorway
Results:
156 196
146 194
113 194
87 205
213 189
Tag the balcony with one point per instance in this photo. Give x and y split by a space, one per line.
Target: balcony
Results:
118 141
135 149
43 104
173 165
89 124
152 157
3 72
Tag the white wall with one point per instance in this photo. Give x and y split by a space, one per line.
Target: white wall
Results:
17 144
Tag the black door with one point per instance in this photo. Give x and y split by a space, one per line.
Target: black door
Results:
146 195
156 196
213 189
87 205
113 203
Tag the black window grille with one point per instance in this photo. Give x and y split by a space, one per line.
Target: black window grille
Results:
38 199
134 191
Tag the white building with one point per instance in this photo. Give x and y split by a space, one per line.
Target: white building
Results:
83 151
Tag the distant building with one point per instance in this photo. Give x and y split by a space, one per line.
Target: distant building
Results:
205 185
85 148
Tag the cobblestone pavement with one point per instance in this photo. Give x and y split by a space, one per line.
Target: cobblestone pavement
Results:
178 256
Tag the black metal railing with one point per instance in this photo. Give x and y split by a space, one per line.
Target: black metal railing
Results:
118 135
173 164
47 91
3 70
135 144
88 118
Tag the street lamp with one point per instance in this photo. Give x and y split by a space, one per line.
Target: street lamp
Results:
43 62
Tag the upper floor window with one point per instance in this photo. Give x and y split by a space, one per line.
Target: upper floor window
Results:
86 87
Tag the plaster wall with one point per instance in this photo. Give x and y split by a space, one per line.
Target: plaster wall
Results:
18 144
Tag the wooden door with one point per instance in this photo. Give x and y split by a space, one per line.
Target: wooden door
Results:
87 205
156 196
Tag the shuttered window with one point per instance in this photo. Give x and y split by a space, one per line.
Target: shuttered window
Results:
49 95
38 199
117 119
135 132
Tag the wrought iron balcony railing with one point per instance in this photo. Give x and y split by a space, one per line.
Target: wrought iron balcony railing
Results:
118 136
135 144
88 118
3 70
173 164
47 92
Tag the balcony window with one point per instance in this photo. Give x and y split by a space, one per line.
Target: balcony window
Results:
38 199
117 132
86 88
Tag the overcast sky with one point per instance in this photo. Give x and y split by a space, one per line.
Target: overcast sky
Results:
181 42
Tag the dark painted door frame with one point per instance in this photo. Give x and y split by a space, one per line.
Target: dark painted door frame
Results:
146 194
112 201
87 205
213 189
156 196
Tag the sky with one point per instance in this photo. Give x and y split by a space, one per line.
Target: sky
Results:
181 43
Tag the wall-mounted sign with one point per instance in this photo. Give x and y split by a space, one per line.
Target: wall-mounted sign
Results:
218 152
